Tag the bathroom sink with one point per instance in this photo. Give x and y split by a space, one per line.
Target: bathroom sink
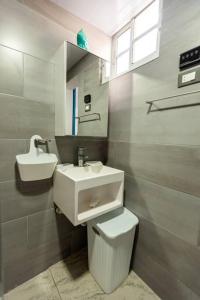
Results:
87 172
36 165
83 193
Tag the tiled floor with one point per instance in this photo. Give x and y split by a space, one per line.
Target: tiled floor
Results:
71 280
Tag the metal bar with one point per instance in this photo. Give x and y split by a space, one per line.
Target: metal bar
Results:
171 97
74 112
88 121
96 114
170 107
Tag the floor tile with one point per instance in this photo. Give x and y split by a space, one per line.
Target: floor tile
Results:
133 288
73 267
70 279
81 288
41 287
73 278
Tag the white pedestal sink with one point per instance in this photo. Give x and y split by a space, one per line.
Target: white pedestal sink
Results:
83 193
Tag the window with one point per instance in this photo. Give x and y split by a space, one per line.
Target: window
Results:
145 46
105 71
123 51
138 42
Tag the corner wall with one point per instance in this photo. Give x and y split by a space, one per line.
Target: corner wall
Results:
161 157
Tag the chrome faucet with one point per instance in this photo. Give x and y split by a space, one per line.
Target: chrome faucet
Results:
42 142
81 156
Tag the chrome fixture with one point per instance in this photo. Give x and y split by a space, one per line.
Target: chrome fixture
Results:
97 117
81 156
42 142
152 103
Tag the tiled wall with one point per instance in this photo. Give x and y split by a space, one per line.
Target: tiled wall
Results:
33 236
161 157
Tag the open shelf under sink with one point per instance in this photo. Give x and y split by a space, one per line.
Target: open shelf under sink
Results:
83 195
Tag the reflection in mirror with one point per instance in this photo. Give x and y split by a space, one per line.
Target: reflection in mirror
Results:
87 93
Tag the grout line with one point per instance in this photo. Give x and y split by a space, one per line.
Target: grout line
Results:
13 220
164 269
23 62
43 210
160 184
154 144
175 235
28 54
19 139
8 181
27 233
12 95
27 216
52 103
8 139
55 283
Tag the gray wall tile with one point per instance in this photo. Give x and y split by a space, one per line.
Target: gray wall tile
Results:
8 151
28 31
175 255
14 240
20 118
19 199
53 148
45 227
172 166
111 154
178 126
120 117
11 67
161 280
165 207
34 261
38 79
68 147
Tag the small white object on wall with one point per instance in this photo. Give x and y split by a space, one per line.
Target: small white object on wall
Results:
36 164
188 77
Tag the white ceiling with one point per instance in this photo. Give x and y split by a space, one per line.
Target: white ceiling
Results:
107 15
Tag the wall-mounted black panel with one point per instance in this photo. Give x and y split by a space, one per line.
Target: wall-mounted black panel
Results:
87 99
190 58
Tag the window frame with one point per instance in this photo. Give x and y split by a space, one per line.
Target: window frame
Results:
124 29
130 25
103 76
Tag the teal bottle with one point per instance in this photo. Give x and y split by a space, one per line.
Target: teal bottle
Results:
82 41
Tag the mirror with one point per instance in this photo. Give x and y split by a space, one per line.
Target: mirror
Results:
87 93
